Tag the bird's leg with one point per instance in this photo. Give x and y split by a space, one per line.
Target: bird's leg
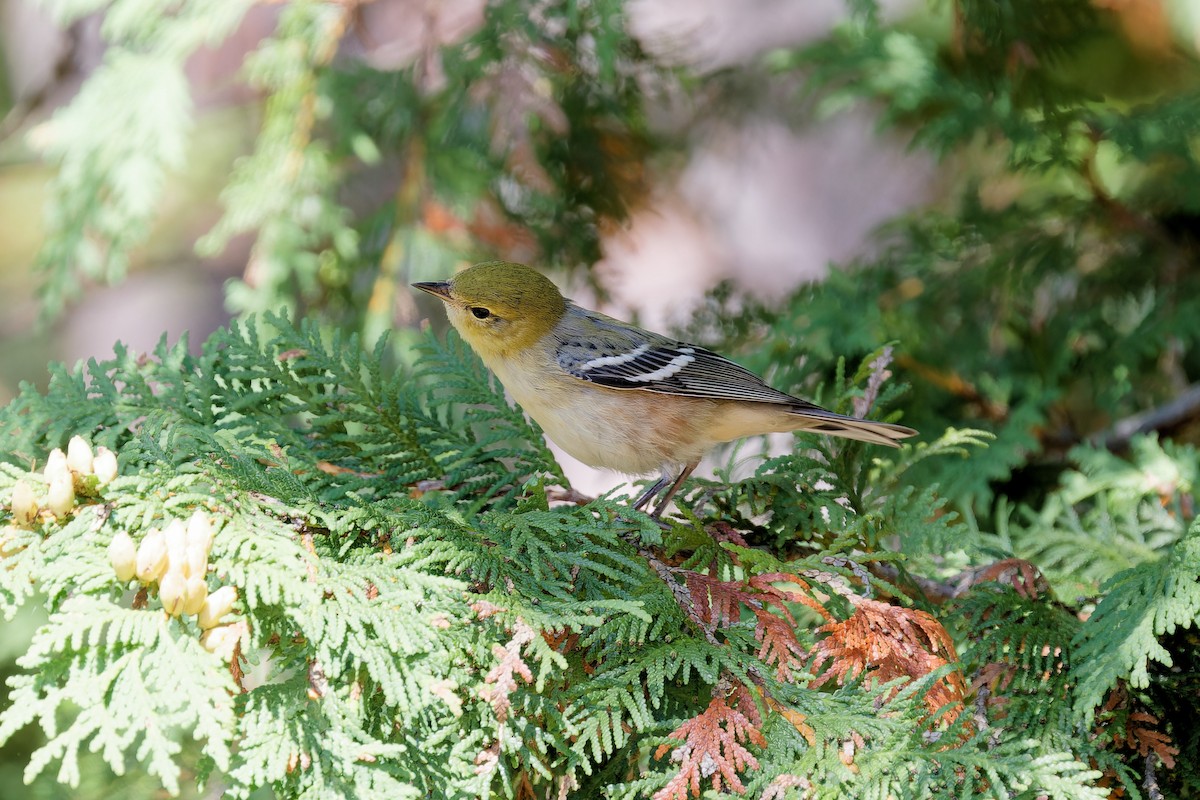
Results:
650 493
666 498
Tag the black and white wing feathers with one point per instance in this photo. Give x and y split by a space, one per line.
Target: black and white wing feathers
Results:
612 354
595 348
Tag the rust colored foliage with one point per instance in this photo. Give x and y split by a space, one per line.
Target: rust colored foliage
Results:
1143 735
1134 730
712 749
890 642
720 603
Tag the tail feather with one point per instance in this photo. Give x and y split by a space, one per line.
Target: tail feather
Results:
863 430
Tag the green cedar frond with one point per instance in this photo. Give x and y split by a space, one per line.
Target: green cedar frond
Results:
414 619
121 136
1121 640
137 681
1110 514
408 626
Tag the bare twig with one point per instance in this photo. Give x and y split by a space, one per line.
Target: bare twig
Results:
569 495
934 591
981 697
681 594
1150 783
879 374
66 69
1019 574
1182 408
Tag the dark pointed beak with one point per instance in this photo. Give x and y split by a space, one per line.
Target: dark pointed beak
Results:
439 289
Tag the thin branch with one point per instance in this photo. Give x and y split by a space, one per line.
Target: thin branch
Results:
65 70
1184 407
1150 783
1014 572
935 592
557 494
681 594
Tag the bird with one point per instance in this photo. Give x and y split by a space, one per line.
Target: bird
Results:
616 396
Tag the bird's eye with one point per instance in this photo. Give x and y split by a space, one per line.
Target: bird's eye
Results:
480 312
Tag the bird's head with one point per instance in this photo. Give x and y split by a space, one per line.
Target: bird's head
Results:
498 307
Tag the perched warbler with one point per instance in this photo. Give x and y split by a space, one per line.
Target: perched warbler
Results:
613 395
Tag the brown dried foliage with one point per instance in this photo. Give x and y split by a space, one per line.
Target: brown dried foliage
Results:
1136 730
712 749
890 642
720 603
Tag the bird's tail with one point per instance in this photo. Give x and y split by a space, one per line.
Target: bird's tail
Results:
864 430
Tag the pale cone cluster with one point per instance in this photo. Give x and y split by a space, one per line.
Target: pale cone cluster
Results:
67 475
176 557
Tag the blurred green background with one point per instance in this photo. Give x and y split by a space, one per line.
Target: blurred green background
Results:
743 192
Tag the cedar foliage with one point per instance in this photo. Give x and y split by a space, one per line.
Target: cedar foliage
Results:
1004 609
407 589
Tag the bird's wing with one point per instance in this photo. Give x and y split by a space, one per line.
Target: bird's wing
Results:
620 356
